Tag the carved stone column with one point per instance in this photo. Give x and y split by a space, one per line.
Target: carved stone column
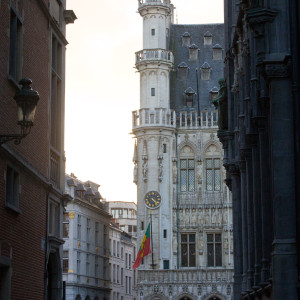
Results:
237 227
265 199
243 212
284 263
250 220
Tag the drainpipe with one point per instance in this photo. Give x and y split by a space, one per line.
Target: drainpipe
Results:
46 244
177 199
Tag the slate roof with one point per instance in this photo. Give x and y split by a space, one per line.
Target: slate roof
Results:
205 58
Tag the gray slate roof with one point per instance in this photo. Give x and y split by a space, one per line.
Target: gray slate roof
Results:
205 57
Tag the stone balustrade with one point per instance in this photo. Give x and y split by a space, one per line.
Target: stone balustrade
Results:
183 276
167 117
154 2
154 55
153 117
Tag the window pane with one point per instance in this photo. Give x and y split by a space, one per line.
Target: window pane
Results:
192 255
210 238
192 238
218 238
191 163
217 180
184 257
209 163
209 180
182 163
210 255
191 180
217 163
184 238
183 180
218 248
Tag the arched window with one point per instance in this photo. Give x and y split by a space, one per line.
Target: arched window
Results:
213 169
187 169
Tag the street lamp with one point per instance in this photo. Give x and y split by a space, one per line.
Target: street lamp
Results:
26 99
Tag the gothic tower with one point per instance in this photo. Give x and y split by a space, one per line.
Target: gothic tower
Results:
154 130
178 160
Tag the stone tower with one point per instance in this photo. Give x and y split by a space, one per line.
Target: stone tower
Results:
178 160
155 133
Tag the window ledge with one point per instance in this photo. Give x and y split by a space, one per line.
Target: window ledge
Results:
13 208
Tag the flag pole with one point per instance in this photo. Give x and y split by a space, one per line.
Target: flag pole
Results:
151 239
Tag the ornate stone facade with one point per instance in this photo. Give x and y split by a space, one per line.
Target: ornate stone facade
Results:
178 155
261 155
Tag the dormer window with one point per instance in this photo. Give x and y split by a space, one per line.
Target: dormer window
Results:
205 71
182 71
207 39
189 97
217 52
214 93
186 39
193 52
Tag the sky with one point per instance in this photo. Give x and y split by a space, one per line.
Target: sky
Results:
102 87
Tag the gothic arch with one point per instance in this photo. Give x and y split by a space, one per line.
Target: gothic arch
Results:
186 296
216 295
209 144
189 144
156 297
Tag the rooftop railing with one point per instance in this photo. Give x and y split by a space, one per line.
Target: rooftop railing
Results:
154 55
167 117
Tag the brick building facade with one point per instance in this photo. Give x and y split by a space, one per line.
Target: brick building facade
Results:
32 35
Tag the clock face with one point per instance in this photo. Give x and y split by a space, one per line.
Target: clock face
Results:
152 199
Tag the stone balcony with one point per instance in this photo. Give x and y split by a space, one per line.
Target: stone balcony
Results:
190 276
154 55
165 117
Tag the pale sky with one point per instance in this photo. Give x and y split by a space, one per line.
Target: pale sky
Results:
102 87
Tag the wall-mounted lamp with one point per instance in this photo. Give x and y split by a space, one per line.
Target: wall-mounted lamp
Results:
27 100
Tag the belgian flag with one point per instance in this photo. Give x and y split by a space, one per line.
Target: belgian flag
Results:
144 250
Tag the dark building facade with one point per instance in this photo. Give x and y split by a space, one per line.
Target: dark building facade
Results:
32 44
259 129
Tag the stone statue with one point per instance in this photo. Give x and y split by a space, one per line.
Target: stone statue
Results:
174 172
214 217
160 171
200 244
225 216
180 217
226 244
135 173
174 244
221 104
187 217
194 217
200 217
220 216
206 216
145 169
